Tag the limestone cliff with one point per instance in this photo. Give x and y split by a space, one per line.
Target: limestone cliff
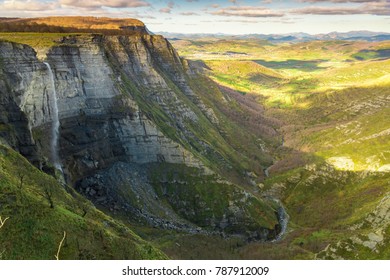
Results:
99 124
126 107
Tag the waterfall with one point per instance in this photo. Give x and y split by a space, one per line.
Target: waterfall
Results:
55 158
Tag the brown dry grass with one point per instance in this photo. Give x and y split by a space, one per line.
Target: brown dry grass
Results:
83 22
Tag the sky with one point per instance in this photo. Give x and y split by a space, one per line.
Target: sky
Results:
221 16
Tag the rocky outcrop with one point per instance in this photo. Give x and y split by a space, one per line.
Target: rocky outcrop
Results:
370 234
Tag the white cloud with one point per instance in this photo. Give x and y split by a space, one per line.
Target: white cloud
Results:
29 5
189 14
165 10
247 11
168 8
371 8
105 3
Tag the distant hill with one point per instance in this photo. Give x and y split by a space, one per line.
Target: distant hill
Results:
292 37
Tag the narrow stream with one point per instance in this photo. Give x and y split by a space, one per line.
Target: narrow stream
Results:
283 218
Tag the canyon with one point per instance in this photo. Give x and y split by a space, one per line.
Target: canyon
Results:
117 119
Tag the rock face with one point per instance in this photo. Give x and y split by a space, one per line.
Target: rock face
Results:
21 75
99 125
122 101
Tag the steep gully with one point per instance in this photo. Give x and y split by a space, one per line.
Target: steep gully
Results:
283 216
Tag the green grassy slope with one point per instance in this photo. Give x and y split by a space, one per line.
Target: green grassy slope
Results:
34 228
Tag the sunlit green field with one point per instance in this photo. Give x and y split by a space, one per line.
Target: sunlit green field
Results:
316 84
284 74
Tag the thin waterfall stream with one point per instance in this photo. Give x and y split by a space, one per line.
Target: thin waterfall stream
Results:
55 129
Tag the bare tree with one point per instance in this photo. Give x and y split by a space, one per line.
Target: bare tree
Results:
2 222
48 194
57 256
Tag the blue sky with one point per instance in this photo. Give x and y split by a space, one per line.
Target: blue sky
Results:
221 16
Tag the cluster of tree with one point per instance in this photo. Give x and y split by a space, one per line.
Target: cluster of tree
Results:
44 28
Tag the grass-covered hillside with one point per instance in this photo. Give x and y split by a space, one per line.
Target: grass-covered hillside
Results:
332 169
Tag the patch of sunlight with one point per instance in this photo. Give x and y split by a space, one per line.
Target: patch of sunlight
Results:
347 164
303 105
383 80
342 163
384 168
334 64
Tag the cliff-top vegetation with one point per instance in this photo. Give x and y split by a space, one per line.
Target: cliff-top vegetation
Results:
72 25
